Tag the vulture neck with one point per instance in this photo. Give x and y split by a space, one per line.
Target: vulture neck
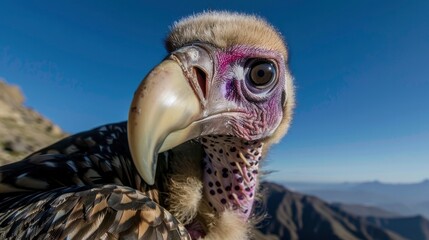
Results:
231 173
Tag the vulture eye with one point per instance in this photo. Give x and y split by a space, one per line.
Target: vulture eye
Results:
261 73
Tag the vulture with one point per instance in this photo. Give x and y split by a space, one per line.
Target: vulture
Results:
186 163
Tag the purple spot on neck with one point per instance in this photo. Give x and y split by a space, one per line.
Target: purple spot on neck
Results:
237 191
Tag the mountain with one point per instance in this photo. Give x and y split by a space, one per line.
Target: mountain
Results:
311 186
349 196
294 215
405 199
406 192
416 227
298 216
22 130
364 211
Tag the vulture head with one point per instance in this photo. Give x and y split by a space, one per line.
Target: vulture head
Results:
220 99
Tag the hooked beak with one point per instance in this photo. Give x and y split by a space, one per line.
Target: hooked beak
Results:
166 108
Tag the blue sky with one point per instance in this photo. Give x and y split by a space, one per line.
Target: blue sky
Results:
361 70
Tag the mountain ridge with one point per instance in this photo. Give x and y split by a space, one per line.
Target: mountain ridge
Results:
299 216
402 198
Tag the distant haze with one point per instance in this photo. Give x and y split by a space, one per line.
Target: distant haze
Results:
404 199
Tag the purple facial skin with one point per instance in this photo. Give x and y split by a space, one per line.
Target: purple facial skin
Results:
262 109
231 164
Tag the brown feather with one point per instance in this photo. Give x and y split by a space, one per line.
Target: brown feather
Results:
81 213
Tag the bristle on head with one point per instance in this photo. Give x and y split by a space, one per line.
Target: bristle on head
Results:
225 30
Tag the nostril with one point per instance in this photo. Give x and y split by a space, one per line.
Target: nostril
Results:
202 79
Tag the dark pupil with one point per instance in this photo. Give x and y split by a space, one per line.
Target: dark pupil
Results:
262 73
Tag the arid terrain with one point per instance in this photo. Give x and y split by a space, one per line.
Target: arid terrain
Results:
22 129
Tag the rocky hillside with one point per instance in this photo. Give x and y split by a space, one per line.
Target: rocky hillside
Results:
297 216
22 130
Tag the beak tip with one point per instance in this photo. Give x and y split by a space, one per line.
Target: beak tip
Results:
149 181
